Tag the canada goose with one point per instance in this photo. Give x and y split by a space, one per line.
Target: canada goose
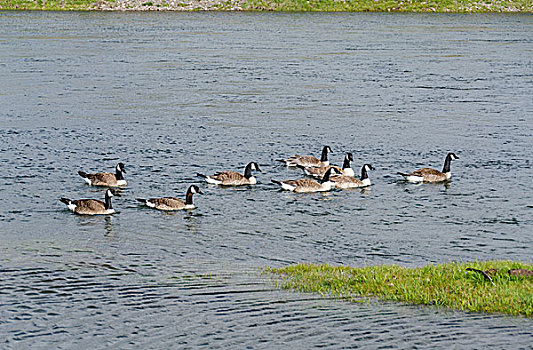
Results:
173 203
233 178
344 182
319 172
106 179
309 161
308 185
430 174
91 206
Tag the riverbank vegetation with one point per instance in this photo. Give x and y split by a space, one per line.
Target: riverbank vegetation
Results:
492 286
455 6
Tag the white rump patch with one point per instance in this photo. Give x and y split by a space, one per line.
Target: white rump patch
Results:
210 180
287 187
414 178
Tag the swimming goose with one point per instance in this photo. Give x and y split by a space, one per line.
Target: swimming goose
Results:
91 206
344 182
172 203
233 178
319 172
430 174
106 179
309 161
308 185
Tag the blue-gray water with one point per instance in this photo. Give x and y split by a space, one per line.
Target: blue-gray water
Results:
172 94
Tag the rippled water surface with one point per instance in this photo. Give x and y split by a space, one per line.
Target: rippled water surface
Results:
173 94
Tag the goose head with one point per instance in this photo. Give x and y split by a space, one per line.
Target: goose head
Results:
349 156
111 193
452 156
194 189
120 168
254 166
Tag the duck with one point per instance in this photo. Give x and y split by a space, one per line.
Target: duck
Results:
318 173
308 161
430 174
92 206
308 185
173 203
345 182
106 179
233 178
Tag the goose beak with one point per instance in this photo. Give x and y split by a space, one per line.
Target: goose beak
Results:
199 192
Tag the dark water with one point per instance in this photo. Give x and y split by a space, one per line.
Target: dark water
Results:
175 94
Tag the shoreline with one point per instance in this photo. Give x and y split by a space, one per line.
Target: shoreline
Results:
407 6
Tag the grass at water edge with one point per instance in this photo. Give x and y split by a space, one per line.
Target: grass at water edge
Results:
447 285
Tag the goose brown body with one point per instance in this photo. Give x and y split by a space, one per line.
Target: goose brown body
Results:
347 182
173 203
91 206
309 161
167 203
233 178
308 185
105 178
430 174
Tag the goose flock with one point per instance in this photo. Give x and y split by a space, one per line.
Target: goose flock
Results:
321 177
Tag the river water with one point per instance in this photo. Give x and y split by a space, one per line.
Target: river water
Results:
173 94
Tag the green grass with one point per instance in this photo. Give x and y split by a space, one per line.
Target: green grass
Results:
458 6
49 5
448 285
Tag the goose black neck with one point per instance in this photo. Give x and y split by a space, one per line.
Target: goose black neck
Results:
107 204
248 171
324 156
364 173
326 176
447 163
119 175
346 163
188 197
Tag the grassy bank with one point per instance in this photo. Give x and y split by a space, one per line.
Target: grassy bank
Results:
458 6
496 286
